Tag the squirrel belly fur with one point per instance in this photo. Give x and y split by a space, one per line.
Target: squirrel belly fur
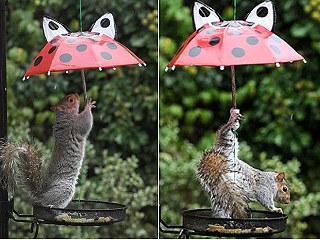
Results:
232 183
55 185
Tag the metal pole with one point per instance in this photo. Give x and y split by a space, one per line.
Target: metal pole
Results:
4 215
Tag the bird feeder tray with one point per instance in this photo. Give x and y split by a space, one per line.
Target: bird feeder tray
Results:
82 213
260 223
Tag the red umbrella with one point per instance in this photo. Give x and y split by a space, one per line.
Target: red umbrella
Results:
230 43
81 50
233 43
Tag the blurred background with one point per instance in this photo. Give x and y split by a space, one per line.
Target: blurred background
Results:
121 154
281 108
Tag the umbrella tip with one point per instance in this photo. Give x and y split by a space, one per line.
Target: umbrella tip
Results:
49 73
144 64
114 69
173 68
139 64
166 69
305 61
24 78
100 69
277 64
221 68
67 72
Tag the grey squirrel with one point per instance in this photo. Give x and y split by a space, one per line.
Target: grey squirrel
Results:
232 183
55 185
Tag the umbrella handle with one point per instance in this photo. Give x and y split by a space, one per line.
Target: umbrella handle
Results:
233 85
83 79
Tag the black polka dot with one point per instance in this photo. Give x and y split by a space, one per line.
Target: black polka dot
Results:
275 49
81 48
71 40
252 40
53 25
53 41
105 22
210 31
93 40
204 12
216 24
106 55
276 38
111 45
262 11
65 57
195 51
200 29
51 50
238 52
37 61
214 41
235 33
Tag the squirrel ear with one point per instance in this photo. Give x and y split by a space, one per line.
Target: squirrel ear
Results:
52 28
280 177
263 14
203 14
105 25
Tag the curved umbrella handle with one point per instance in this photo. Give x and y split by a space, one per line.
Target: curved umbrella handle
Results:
233 85
83 79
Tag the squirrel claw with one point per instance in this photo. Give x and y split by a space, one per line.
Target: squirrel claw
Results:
235 115
90 103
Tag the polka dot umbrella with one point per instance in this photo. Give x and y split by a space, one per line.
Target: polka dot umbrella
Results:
230 43
95 49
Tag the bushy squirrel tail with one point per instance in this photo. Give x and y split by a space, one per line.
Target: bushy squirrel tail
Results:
21 165
227 200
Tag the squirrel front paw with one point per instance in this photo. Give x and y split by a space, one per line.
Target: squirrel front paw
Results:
278 210
235 115
90 104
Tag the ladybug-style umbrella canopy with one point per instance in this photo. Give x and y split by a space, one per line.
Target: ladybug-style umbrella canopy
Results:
81 50
233 43
229 43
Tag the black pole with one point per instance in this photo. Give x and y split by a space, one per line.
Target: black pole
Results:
4 215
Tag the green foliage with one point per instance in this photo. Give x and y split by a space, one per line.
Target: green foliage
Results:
280 106
125 119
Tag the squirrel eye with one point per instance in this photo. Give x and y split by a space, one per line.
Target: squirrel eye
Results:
71 100
285 189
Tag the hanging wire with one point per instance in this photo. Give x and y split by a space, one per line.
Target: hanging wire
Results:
234 102
234 9
80 14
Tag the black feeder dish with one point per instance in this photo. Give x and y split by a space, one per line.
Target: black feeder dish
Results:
82 213
202 223
77 213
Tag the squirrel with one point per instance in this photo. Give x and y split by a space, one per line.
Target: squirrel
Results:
53 186
232 183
